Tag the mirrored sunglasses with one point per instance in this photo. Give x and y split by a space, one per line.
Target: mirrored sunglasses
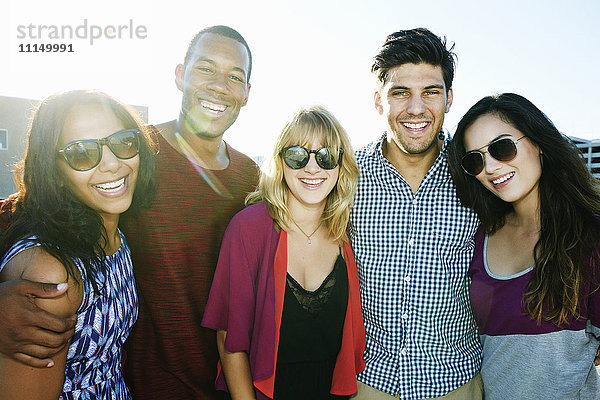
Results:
83 155
297 157
503 150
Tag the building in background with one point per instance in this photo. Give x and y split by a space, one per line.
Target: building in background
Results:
591 153
15 116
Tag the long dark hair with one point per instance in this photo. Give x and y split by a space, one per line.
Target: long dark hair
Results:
569 202
65 227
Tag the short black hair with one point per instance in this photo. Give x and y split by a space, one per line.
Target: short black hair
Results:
223 31
414 46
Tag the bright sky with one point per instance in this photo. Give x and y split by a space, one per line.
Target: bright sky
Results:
315 51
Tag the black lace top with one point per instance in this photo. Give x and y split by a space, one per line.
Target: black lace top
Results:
311 336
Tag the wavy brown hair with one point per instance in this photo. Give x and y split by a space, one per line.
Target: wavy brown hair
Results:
566 253
63 225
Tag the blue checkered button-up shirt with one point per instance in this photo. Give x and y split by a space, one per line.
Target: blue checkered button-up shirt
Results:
413 251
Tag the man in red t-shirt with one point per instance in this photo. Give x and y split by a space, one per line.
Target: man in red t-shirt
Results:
202 183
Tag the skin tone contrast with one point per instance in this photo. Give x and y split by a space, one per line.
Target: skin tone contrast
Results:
108 189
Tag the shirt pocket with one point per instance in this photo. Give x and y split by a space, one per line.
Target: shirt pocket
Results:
454 257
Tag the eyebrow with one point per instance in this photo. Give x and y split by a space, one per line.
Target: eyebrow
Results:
400 87
500 136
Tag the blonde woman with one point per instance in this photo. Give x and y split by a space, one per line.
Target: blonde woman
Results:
285 298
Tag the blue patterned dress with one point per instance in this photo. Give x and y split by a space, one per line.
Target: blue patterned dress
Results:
93 369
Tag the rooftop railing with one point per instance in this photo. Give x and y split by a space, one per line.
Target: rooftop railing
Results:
591 155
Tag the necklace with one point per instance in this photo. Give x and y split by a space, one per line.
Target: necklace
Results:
304 233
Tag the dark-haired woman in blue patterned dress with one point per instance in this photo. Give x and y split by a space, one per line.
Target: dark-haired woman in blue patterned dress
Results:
88 160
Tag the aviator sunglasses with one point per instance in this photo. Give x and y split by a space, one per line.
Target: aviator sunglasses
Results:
297 157
83 155
503 150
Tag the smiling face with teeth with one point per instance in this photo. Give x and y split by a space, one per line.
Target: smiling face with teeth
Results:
414 99
309 186
515 181
107 188
214 85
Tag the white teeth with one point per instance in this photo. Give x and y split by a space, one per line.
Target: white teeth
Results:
111 186
420 125
213 106
312 181
503 178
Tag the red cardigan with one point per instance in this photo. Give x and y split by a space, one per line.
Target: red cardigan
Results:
246 300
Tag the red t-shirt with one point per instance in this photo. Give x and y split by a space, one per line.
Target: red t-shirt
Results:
175 245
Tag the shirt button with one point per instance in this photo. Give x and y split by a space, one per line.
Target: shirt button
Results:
403 352
407 278
411 241
404 316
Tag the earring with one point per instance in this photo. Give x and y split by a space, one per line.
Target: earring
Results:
441 135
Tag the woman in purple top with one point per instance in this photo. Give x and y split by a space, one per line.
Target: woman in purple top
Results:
535 268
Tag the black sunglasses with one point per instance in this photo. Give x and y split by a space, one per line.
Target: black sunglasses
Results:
297 157
83 155
503 150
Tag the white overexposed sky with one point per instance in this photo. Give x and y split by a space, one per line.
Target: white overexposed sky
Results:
315 51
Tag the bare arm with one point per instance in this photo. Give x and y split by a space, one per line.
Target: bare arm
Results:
20 381
28 333
236 369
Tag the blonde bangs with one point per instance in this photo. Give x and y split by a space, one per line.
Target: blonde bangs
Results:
307 126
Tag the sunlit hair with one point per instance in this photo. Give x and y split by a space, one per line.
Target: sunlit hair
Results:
46 207
414 46
569 201
308 125
223 31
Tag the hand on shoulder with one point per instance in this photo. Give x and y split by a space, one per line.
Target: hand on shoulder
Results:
37 265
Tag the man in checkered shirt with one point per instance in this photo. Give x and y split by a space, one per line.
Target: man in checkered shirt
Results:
412 239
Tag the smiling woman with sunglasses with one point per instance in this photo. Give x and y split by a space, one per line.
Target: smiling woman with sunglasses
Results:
536 265
83 155
285 297
88 160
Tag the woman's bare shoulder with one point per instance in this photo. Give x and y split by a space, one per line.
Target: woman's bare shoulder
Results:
36 264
